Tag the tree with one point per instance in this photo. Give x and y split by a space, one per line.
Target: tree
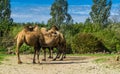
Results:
5 19
100 11
87 21
59 13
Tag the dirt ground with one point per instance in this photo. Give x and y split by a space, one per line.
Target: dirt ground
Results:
71 65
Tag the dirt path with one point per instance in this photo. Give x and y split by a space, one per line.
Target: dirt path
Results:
71 65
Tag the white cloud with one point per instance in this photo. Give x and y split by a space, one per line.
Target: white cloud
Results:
37 13
31 14
21 15
79 9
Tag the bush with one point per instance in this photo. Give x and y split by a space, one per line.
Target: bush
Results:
86 42
25 49
2 50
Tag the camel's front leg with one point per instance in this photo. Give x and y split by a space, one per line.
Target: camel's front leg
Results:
58 53
44 54
17 53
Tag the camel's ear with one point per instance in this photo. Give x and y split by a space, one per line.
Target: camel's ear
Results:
26 26
55 27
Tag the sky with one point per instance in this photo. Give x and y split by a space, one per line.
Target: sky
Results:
23 11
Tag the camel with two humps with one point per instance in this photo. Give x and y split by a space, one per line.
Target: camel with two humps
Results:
60 43
35 38
30 37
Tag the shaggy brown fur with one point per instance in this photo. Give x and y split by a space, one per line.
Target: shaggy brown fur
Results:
31 38
50 40
58 42
61 48
39 38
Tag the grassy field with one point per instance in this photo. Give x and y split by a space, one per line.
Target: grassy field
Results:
2 56
94 55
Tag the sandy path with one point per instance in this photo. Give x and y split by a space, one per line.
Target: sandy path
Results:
71 65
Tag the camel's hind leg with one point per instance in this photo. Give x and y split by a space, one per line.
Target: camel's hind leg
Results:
63 52
63 55
17 52
38 53
50 52
34 55
58 54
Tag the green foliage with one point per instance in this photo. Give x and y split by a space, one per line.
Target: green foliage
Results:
8 41
83 37
100 11
2 53
85 42
5 23
69 32
2 50
16 29
59 13
26 49
5 19
1 58
109 38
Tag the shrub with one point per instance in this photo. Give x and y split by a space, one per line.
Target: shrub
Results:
25 49
86 42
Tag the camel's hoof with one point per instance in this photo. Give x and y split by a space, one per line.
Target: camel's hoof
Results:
61 59
43 59
34 62
50 57
64 56
38 62
19 62
54 59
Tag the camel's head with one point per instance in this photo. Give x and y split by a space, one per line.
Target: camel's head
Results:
28 28
53 29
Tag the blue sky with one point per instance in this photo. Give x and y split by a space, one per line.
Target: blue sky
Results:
39 10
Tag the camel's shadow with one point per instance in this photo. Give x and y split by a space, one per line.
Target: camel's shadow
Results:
68 60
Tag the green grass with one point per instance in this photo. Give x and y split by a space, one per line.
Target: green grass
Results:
2 56
94 55
101 60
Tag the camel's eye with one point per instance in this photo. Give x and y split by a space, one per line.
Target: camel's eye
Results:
55 33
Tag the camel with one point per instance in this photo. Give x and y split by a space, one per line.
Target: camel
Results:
36 38
62 43
61 48
30 37
59 42
51 39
